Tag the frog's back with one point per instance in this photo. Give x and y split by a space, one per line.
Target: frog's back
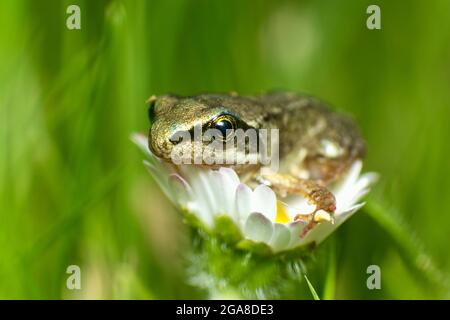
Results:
315 142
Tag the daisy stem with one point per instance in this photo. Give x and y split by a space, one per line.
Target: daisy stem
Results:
330 280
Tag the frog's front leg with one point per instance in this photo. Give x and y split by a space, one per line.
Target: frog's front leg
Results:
312 190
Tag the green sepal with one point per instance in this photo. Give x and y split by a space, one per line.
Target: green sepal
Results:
226 229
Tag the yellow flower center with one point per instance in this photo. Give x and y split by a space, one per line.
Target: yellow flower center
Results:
282 216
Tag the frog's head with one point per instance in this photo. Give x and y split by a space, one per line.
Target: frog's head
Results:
190 124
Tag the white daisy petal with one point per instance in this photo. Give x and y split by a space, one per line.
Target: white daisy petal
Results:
231 174
243 202
230 183
350 178
202 199
323 230
208 189
151 169
298 205
295 229
181 188
142 142
319 232
258 227
216 186
362 187
356 197
265 201
367 179
280 238
160 179
342 216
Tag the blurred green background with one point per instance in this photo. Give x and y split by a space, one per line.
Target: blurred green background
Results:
73 188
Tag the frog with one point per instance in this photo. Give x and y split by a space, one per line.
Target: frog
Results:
316 144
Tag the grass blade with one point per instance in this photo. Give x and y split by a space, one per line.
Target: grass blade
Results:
311 288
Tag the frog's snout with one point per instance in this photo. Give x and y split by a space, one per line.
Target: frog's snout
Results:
151 145
159 141
158 147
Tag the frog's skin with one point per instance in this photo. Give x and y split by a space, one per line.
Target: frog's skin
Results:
316 145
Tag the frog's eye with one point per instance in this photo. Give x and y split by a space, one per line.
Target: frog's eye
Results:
226 124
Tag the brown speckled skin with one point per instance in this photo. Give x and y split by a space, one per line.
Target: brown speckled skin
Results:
303 122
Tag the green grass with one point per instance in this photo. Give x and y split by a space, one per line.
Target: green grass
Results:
73 189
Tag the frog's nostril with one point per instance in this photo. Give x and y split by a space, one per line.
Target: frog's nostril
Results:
176 138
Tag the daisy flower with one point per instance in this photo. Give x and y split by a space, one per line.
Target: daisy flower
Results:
258 215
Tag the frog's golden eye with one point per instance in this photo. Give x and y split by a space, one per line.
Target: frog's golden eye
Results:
226 124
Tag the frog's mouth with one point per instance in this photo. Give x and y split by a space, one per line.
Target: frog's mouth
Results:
158 145
183 148
200 155
153 147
